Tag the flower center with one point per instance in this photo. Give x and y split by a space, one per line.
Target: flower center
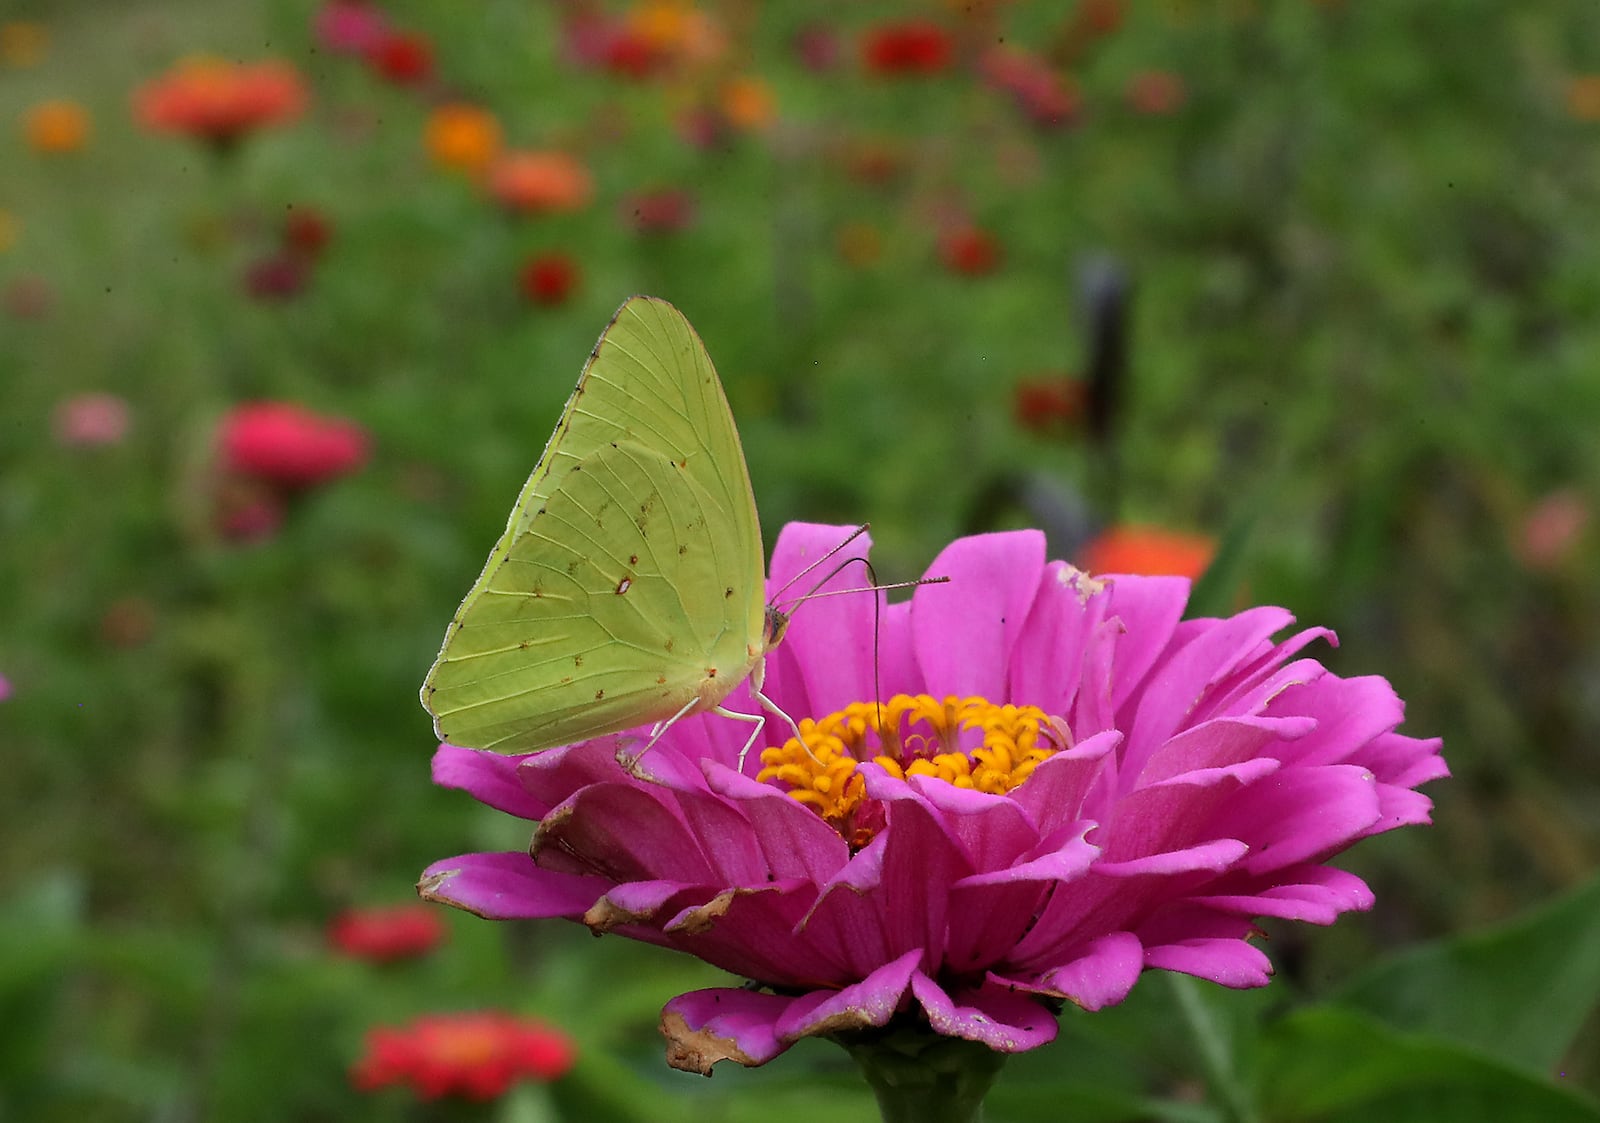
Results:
969 742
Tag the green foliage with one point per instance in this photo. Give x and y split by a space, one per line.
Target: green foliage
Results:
1364 321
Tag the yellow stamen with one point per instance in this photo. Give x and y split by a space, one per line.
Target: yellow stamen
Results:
910 735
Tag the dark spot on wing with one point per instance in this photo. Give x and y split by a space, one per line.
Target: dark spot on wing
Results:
727 592
670 642
661 680
622 586
577 660
682 550
599 694
633 559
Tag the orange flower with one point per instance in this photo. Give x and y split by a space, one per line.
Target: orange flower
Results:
219 101
23 43
462 136
56 126
748 103
1149 551
676 29
1583 97
529 182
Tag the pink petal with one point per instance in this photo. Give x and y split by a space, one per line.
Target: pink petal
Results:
1100 975
829 642
1317 895
626 833
1229 963
871 1002
1147 610
1180 682
724 1023
508 886
490 778
794 840
964 631
1302 814
1003 1020
1047 661
1054 794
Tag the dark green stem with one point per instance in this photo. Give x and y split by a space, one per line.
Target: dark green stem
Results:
919 1076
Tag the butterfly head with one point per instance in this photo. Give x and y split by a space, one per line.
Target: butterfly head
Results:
777 623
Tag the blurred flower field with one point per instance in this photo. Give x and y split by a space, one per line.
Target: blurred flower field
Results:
1298 299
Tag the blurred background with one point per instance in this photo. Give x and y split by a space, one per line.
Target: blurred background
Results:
291 294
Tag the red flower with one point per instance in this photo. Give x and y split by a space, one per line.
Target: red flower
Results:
386 934
478 1056
403 58
288 445
970 251
1148 551
549 278
306 232
220 101
907 47
1049 404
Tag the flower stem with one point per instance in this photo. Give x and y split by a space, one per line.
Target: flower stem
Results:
919 1076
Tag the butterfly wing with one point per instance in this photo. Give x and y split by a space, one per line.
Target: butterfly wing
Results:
628 581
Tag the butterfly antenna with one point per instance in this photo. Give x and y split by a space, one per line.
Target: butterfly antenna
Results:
853 535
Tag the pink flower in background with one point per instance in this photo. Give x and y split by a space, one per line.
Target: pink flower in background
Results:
91 420
663 211
476 1056
387 934
5 688
1040 92
278 276
1551 529
1063 785
29 298
350 27
286 444
1156 92
248 510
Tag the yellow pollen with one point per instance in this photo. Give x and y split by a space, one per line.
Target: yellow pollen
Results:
910 735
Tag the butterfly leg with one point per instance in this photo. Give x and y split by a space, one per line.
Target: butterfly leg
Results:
660 728
760 721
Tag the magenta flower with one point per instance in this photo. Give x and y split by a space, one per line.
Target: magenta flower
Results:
1065 784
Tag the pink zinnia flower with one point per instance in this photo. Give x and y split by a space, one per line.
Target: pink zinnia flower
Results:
1072 785
287 445
350 27
91 420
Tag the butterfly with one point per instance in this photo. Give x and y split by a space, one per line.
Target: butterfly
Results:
628 587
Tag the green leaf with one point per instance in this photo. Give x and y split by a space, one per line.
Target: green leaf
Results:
1218 587
1326 1065
1519 991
